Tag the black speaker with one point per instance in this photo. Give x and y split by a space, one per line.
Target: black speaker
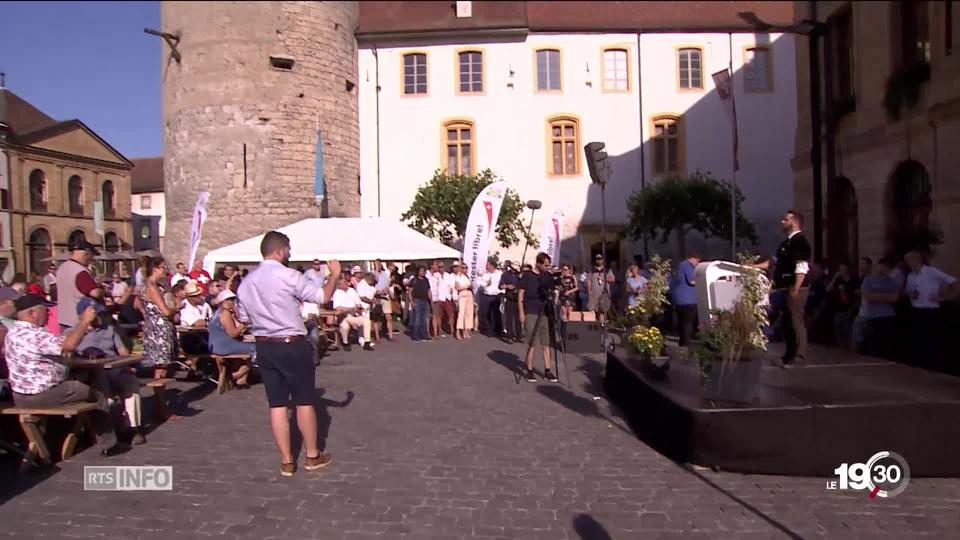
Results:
582 337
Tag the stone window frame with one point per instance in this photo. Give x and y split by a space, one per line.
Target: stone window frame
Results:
472 77
749 63
536 70
562 121
603 69
681 50
665 120
458 124
75 206
148 199
426 74
37 190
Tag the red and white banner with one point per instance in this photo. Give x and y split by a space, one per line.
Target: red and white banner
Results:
480 227
722 81
550 237
199 218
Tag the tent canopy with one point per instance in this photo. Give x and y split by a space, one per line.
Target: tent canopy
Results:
344 239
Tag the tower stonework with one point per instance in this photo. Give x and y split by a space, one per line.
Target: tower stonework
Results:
234 86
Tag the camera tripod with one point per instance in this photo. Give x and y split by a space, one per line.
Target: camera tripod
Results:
557 344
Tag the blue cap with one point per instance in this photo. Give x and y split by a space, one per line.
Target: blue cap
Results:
88 302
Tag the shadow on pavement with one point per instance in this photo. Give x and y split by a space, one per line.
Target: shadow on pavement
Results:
589 528
324 420
578 404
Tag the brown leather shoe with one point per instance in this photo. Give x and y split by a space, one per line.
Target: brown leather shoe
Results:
314 463
287 469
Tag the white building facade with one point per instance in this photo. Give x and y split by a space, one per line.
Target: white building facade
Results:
524 106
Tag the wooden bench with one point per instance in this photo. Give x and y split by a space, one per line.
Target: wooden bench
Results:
225 381
161 412
32 417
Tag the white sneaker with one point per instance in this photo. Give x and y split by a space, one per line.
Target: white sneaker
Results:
361 341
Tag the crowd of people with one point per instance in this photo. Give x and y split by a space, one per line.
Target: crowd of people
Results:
182 314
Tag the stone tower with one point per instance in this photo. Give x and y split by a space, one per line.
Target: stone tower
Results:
240 112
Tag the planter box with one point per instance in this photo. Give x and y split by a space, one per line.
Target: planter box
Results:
738 382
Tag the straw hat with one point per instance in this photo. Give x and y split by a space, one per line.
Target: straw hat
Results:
192 289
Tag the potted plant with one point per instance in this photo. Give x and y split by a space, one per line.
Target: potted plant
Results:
728 370
647 342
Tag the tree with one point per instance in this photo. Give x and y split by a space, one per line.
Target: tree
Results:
678 205
441 207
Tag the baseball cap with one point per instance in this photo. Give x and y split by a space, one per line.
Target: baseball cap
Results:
82 245
356 270
28 301
9 293
84 303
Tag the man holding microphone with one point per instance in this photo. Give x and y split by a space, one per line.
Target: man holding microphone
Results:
269 300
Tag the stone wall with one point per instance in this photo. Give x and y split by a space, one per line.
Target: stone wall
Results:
225 94
870 145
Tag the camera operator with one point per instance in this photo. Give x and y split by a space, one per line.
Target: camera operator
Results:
537 314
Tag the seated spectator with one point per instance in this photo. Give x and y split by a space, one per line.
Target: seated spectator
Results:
102 341
8 314
119 290
226 335
349 308
196 312
367 290
35 286
39 379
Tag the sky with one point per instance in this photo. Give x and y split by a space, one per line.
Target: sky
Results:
90 61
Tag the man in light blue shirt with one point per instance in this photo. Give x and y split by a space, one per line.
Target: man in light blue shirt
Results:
269 299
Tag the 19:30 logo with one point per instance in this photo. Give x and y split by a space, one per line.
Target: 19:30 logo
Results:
886 474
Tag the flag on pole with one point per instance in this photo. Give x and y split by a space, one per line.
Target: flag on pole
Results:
723 82
550 237
318 187
480 226
199 218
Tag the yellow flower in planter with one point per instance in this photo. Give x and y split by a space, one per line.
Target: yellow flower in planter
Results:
647 341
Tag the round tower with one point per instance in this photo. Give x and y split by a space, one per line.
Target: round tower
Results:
241 110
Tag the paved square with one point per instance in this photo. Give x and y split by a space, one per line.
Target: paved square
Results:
439 440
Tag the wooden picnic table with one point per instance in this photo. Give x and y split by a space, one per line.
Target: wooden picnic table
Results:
108 362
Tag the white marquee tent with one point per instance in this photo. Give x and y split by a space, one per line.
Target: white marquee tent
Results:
344 239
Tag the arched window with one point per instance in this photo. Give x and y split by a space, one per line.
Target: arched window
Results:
912 203
112 244
75 195
843 219
459 152
563 139
40 248
668 145
109 210
76 236
38 191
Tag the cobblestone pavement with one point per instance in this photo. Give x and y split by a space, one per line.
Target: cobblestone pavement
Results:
438 440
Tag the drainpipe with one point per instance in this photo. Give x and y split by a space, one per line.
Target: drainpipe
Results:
643 159
815 131
376 58
830 139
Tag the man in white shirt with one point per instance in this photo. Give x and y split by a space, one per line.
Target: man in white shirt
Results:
349 309
489 301
317 273
181 274
50 278
434 277
447 291
927 287
383 291
367 290
196 312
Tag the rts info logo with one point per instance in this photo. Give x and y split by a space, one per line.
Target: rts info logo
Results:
885 474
